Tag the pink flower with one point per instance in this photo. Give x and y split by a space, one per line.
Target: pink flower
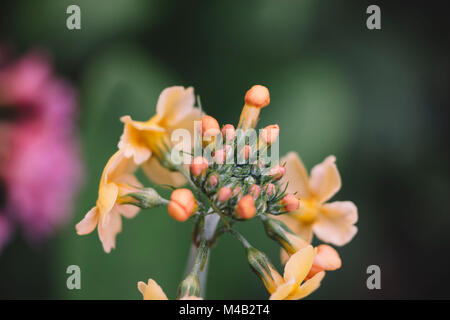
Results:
40 166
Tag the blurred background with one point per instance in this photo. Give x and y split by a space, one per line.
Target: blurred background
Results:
378 100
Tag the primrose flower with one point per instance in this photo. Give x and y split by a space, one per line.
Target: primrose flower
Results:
152 291
290 286
331 222
142 139
117 180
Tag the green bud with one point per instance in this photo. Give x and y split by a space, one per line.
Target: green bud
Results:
279 232
260 265
190 286
147 198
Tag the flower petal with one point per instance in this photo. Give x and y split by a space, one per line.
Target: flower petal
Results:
89 222
107 196
284 290
299 264
325 180
300 228
174 104
160 175
308 287
296 175
108 230
151 290
129 211
336 222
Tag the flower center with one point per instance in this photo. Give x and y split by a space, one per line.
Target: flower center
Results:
308 210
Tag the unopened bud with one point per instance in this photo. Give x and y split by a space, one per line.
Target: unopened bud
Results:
270 189
199 166
261 266
279 232
189 287
228 132
290 202
246 207
182 204
270 134
255 191
210 126
224 194
211 183
146 198
255 99
277 172
245 152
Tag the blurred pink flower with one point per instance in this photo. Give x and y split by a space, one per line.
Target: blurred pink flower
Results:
39 163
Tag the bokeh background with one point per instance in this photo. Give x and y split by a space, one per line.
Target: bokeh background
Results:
378 100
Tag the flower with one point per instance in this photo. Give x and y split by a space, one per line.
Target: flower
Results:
40 167
117 180
152 291
290 286
142 139
331 222
224 194
182 204
326 259
246 207
228 132
199 165
256 98
270 134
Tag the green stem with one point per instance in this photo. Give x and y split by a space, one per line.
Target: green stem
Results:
240 237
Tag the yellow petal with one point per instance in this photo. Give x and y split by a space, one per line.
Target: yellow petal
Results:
325 180
336 222
174 104
107 196
89 222
296 175
299 264
308 287
284 290
160 175
108 230
151 290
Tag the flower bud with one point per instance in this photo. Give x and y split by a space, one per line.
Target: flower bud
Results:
270 189
261 266
210 126
246 207
237 192
228 132
279 232
189 287
256 98
277 172
255 191
146 198
326 259
182 204
211 183
199 166
224 194
220 156
245 152
290 202
270 134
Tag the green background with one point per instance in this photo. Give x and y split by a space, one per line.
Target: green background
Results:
378 100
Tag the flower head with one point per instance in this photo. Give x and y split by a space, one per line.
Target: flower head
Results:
331 222
117 180
142 139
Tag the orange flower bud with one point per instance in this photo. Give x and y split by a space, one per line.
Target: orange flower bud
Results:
246 207
269 189
270 134
277 172
220 155
199 166
228 132
257 96
210 126
213 180
326 259
290 202
224 194
245 152
255 191
182 204
255 99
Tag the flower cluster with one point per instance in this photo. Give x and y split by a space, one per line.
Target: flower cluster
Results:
230 179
